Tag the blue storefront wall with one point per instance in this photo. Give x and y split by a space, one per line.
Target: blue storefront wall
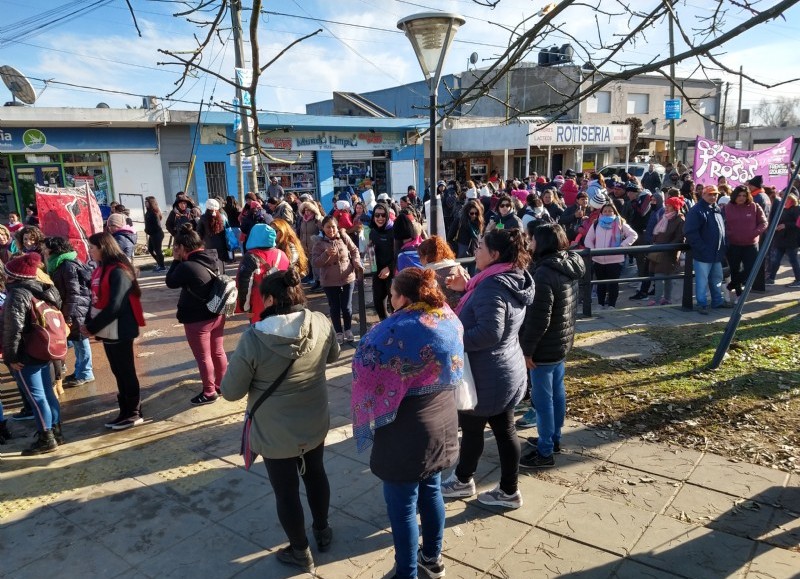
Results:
60 139
324 158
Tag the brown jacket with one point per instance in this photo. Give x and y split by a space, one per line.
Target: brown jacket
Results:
665 262
340 269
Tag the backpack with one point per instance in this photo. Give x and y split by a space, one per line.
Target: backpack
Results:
222 298
47 337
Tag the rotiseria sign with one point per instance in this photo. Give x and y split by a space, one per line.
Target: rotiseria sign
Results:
576 135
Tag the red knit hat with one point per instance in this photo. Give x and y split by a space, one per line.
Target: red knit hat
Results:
24 266
675 202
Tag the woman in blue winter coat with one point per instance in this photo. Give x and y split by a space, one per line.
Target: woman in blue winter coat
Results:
492 311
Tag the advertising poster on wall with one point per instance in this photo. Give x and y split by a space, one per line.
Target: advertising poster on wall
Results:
70 212
713 160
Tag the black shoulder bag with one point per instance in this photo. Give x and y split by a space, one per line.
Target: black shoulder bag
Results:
245 450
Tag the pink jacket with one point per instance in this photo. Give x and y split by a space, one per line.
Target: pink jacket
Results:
599 238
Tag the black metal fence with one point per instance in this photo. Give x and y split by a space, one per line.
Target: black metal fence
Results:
587 282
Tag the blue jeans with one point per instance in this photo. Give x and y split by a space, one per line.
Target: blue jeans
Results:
777 258
37 384
83 359
340 302
402 500
708 276
550 398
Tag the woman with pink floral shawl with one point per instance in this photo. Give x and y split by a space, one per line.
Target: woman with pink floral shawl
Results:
405 372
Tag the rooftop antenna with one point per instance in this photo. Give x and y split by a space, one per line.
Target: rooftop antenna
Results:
473 58
19 86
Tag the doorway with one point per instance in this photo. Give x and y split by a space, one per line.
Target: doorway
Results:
28 176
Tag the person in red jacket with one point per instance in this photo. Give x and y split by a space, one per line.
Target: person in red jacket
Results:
745 221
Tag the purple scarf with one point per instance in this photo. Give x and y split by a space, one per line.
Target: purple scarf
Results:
492 270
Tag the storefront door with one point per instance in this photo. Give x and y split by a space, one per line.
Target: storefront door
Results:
28 176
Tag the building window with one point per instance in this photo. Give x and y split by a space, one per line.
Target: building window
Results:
599 102
216 181
707 106
638 103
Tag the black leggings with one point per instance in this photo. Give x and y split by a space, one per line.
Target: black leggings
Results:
154 243
381 292
505 434
607 271
283 474
121 360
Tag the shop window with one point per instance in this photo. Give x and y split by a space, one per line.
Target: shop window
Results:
707 106
638 103
599 102
216 179
213 135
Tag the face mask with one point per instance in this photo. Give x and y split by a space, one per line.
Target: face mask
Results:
607 220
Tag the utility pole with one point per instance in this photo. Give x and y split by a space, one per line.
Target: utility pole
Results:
245 150
739 111
672 81
724 112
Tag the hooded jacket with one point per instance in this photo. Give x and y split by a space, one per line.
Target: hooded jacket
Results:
16 318
382 240
340 269
126 239
294 419
196 284
308 231
549 327
705 232
492 318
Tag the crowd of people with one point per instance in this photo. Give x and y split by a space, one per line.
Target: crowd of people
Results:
504 323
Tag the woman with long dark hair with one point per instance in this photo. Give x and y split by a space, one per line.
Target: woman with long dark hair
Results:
466 232
193 270
547 336
492 311
288 348
155 235
211 229
381 242
115 318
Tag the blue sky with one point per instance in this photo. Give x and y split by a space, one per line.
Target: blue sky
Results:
100 49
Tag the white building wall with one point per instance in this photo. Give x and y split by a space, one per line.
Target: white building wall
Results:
138 173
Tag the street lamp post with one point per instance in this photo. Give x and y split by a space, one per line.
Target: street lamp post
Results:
431 34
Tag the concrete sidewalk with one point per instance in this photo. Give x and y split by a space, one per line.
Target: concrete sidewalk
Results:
171 499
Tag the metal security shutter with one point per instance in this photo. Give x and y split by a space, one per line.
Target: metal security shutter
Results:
359 155
290 156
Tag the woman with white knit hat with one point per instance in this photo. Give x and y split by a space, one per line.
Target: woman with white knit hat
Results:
211 229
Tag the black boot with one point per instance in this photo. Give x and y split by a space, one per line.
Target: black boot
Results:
57 433
45 442
5 433
121 416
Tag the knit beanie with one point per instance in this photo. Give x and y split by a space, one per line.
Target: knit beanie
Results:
24 266
598 198
212 205
117 220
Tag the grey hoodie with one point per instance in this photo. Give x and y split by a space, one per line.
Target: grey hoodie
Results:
294 419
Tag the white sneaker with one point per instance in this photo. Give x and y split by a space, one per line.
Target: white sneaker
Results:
497 497
348 336
339 337
453 488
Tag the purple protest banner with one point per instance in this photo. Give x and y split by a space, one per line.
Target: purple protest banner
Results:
713 160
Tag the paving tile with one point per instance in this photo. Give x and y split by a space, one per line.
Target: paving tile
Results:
783 530
39 533
543 555
695 552
578 438
132 574
356 546
355 490
269 566
570 471
478 537
230 554
258 523
790 497
741 479
771 563
149 529
597 521
84 557
633 570
668 461
715 510
634 488
538 497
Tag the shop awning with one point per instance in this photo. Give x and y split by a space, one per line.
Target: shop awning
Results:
522 136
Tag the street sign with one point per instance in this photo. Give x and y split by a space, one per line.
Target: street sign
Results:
672 109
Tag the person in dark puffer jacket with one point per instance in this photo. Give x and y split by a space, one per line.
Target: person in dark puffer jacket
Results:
73 281
26 281
547 336
191 270
492 311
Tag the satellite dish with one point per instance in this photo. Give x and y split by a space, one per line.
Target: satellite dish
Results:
473 58
19 86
